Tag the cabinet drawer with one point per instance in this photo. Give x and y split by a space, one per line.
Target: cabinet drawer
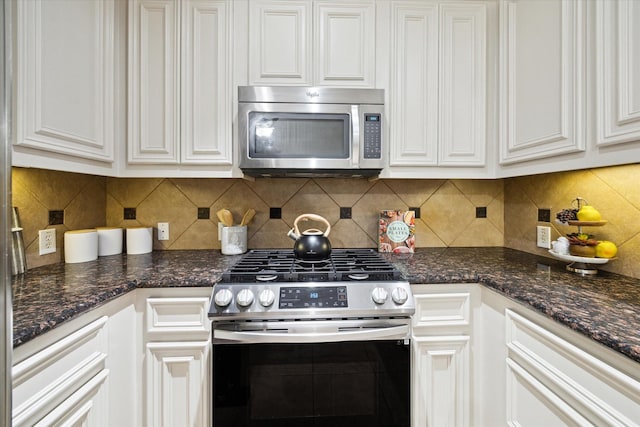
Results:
45 380
568 379
442 309
177 318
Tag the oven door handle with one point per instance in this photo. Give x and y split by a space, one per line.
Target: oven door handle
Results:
358 334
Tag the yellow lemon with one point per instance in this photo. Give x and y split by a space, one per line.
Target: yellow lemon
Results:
606 249
588 213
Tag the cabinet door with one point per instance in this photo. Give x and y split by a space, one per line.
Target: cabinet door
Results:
414 85
344 44
205 125
542 63
440 389
280 42
178 383
178 365
462 97
154 58
65 77
438 92
618 71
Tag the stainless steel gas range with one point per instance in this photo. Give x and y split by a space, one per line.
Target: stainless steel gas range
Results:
311 343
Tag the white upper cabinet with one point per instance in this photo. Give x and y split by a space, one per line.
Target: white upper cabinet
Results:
304 42
618 71
179 82
542 83
64 80
438 97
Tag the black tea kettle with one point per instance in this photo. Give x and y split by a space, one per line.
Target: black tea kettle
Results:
311 244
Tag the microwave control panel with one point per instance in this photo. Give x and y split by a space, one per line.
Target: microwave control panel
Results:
372 136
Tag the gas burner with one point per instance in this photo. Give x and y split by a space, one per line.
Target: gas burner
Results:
273 265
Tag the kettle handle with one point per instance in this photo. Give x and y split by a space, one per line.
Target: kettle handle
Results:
313 217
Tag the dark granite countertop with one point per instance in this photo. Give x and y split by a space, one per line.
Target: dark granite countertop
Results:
605 307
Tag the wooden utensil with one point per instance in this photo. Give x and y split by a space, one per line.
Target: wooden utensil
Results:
226 217
248 216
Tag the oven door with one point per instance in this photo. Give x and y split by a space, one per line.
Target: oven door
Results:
313 377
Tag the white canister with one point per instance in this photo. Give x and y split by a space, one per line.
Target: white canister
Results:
80 245
109 241
139 240
233 240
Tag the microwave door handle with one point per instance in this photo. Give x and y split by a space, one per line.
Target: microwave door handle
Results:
394 332
355 135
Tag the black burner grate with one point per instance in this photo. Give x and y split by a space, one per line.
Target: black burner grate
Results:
266 265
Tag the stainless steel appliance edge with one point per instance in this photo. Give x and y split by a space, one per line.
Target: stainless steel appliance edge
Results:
5 201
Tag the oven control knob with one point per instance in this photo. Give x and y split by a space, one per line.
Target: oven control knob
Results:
266 297
223 297
244 298
399 296
379 295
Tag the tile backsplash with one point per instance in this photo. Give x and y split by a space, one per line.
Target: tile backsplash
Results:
37 191
613 191
447 208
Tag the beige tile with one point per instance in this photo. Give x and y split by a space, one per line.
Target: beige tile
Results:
414 192
448 212
88 208
624 180
272 235
34 215
114 212
202 192
479 192
479 233
366 211
166 204
346 233
238 199
130 192
202 234
275 192
426 237
495 212
310 199
345 192
53 189
628 258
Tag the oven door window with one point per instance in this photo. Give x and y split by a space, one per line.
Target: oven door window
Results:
326 384
299 135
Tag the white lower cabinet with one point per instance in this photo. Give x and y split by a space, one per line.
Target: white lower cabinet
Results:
177 342
65 382
534 371
78 374
142 359
440 359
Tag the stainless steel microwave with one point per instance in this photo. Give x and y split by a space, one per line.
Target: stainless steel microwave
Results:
310 131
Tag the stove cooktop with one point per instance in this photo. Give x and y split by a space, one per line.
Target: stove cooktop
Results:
281 265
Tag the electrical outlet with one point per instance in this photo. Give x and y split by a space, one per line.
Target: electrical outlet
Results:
544 236
163 231
47 241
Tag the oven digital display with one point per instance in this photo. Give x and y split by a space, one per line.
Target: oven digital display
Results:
324 297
